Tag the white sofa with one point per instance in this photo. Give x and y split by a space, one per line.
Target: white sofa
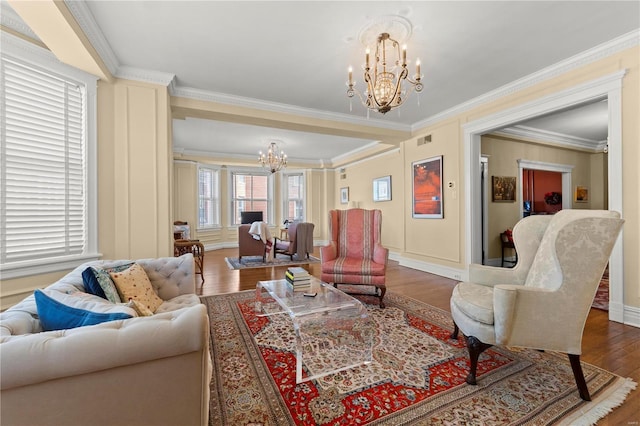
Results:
153 370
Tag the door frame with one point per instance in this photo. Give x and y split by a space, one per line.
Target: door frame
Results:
607 87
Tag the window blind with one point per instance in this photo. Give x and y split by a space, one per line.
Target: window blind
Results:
42 159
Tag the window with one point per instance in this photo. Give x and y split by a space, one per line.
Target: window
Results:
250 192
208 197
293 196
47 197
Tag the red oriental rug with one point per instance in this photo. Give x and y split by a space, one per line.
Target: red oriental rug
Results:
417 376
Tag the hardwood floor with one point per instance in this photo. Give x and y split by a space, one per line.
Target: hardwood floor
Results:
608 345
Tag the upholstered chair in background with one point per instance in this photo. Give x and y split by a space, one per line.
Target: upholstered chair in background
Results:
543 302
300 241
355 255
248 246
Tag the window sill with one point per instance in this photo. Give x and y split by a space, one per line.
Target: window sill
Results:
45 266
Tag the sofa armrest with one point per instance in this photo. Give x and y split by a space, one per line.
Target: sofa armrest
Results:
58 354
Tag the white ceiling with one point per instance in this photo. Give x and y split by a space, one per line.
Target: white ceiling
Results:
294 55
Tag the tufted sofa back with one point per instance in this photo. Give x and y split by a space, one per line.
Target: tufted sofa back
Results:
169 276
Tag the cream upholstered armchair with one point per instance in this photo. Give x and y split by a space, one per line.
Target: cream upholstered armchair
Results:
354 254
543 302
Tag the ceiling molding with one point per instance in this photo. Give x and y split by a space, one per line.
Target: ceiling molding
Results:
596 53
88 24
354 152
223 98
181 152
91 29
9 18
14 45
85 19
546 136
146 76
367 159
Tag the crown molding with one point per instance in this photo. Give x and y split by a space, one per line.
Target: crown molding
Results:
618 44
346 155
146 76
13 45
181 152
91 29
546 136
223 98
367 159
10 19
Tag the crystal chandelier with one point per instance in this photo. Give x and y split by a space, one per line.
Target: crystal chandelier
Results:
385 79
274 160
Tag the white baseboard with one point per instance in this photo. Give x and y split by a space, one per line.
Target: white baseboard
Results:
432 268
631 316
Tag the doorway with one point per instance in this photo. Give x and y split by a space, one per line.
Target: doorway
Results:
607 87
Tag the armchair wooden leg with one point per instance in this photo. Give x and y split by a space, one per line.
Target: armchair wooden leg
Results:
383 290
475 348
579 377
454 333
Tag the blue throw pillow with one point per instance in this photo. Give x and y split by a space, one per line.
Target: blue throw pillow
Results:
58 316
91 284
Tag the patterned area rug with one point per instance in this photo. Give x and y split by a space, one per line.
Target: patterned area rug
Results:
256 261
417 376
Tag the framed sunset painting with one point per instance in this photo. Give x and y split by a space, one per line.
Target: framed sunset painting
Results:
427 188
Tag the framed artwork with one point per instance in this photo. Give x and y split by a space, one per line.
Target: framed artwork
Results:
344 195
503 188
382 189
582 194
427 188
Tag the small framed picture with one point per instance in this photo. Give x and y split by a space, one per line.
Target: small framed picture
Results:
344 195
582 194
382 189
503 188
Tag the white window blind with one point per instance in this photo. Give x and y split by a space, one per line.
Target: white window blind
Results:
42 159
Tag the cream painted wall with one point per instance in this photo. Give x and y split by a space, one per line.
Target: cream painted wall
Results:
598 184
135 171
437 241
359 179
185 192
504 154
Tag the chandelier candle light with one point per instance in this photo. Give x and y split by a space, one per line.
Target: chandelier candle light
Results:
274 160
384 81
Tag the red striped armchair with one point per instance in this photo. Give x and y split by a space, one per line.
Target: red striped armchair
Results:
354 255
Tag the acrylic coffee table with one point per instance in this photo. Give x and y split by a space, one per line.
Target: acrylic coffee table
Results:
333 330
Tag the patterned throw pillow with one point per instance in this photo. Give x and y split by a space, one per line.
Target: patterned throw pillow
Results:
104 281
133 283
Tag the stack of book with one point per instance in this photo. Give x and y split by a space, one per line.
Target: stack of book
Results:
298 277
